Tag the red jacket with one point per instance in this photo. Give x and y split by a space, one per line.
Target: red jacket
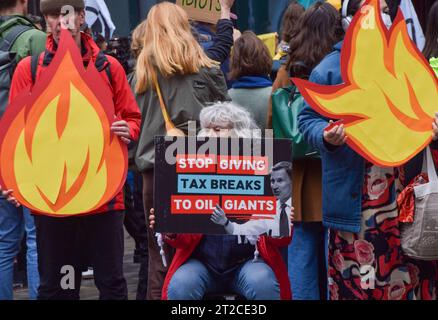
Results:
268 247
126 107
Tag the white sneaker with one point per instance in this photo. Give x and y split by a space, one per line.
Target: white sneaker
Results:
89 274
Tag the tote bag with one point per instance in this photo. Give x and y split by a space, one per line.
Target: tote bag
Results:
419 240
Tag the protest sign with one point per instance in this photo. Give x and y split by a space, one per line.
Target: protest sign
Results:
250 180
57 151
202 10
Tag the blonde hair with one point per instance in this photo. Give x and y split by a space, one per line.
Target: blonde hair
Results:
169 46
137 39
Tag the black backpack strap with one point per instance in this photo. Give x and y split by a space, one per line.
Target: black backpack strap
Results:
109 75
103 63
12 36
48 57
34 62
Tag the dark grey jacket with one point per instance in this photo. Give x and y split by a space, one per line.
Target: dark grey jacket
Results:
184 96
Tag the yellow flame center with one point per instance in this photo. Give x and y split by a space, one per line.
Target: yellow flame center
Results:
50 157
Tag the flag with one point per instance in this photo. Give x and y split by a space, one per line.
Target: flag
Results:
98 18
414 27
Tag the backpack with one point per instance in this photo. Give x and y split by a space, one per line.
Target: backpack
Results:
287 104
8 63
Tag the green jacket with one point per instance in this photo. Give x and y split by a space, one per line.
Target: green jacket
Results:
29 43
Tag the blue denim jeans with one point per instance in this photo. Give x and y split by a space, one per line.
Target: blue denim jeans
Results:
306 261
253 280
14 222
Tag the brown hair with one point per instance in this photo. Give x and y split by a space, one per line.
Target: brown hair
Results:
290 19
318 30
250 57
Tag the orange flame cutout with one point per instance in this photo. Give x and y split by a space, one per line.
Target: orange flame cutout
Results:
57 151
390 94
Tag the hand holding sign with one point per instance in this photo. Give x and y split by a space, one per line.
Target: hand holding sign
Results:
152 219
167 236
335 135
226 6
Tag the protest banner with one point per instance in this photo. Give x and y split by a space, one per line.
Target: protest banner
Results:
249 179
202 10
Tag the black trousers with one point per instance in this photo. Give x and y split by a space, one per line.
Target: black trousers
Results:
60 244
135 224
135 219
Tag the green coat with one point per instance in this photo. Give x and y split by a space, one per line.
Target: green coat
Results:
29 43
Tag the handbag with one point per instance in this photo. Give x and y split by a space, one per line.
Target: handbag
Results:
171 129
419 239
287 104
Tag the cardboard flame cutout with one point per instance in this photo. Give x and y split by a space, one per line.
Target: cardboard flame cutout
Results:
57 151
390 95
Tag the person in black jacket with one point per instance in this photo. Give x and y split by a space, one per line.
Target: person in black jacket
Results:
217 40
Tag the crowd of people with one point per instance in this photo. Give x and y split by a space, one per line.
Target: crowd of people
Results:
344 208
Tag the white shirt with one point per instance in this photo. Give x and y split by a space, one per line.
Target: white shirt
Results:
264 226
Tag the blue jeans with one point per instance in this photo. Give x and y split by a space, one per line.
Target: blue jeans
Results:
306 261
253 280
13 223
